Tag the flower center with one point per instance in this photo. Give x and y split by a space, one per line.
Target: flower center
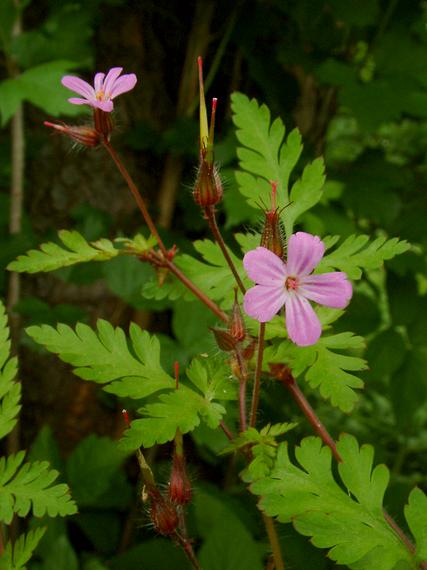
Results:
100 95
291 283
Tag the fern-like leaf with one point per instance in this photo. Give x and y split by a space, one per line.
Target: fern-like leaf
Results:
28 486
265 156
356 254
10 391
104 356
18 554
52 256
183 408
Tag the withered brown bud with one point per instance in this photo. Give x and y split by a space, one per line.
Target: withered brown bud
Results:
224 339
84 135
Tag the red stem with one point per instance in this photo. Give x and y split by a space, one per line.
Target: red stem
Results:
243 380
149 221
210 216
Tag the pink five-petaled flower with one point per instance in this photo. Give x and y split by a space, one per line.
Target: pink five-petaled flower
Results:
291 284
105 89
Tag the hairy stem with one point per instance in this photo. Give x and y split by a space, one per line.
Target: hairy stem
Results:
187 547
310 414
138 198
196 291
210 216
243 380
257 378
228 433
149 221
274 542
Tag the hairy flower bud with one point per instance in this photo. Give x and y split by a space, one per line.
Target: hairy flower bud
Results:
163 514
237 324
208 187
84 135
271 237
179 485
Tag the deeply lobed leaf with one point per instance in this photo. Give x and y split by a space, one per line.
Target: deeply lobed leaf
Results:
349 521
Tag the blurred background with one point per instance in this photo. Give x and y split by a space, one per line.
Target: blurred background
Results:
352 76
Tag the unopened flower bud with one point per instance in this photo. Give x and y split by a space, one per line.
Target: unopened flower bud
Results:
163 514
84 135
237 324
208 187
271 237
224 339
179 485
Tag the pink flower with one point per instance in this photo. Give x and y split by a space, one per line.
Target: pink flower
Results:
105 89
291 284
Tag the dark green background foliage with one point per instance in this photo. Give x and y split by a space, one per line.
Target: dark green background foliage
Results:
352 76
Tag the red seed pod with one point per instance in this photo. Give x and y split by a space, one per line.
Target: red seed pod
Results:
163 514
84 135
179 485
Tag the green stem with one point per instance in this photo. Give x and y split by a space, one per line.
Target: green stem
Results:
257 378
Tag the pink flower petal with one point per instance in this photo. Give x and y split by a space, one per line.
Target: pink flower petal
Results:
109 81
123 84
304 253
330 289
78 101
79 86
106 106
302 323
265 267
262 303
99 78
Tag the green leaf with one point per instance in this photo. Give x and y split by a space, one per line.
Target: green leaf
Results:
263 444
62 556
16 555
354 254
40 85
324 368
230 546
104 356
349 521
10 391
91 468
183 408
416 515
265 156
51 256
29 487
